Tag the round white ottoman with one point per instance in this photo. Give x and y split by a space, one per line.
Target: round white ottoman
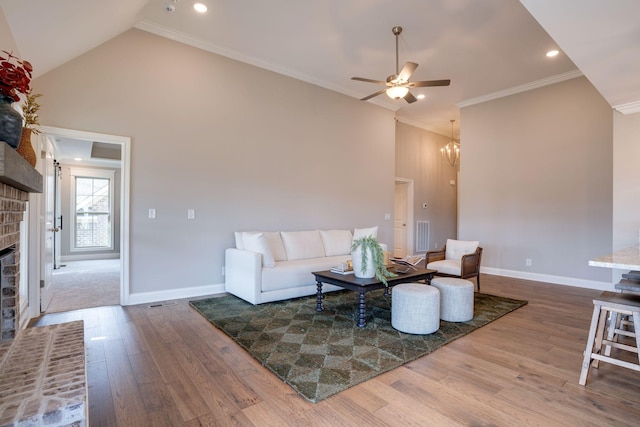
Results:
456 298
415 308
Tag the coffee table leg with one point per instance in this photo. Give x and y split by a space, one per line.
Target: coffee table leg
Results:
319 306
361 322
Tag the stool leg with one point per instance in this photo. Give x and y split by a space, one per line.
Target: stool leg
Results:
590 340
636 322
614 320
602 323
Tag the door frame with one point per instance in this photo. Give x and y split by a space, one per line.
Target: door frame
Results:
36 226
407 184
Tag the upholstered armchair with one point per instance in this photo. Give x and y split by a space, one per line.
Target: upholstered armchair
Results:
458 258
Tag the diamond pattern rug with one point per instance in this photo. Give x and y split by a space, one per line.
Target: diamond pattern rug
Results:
320 354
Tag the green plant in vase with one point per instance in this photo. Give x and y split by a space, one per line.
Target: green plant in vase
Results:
368 259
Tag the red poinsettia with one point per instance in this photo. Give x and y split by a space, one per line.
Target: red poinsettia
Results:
15 76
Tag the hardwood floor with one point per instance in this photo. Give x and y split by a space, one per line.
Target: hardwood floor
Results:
167 366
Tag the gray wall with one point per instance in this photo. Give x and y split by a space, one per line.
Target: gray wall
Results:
65 238
418 158
246 148
536 181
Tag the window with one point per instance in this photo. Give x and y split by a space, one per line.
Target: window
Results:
92 209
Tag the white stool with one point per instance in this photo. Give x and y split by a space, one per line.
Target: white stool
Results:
598 347
415 308
456 298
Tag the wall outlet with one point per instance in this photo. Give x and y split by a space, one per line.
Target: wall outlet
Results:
435 246
191 213
528 262
152 214
223 271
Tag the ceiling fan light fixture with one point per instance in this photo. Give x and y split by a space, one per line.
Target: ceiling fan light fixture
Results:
397 92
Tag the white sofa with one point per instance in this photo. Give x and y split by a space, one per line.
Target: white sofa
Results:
273 266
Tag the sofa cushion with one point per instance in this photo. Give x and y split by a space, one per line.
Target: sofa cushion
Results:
239 239
294 274
457 248
275 244
256 242
302 244
359 233
336 242
273 239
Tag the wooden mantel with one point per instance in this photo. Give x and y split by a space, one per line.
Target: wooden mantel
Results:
17 172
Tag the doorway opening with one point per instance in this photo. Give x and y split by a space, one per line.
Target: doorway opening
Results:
85 200
403 242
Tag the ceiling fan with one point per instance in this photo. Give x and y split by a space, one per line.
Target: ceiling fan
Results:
398 84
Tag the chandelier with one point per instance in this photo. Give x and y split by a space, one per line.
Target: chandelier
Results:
451 151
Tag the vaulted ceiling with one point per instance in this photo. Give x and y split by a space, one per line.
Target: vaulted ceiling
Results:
486 47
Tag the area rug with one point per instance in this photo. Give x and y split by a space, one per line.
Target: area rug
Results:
320 354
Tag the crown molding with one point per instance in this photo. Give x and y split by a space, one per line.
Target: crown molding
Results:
522 88
628 108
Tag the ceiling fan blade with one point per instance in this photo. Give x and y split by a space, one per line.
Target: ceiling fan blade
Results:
430 83
407 71
410 98
362 79
380 92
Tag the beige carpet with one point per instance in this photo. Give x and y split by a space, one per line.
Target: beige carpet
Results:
85 284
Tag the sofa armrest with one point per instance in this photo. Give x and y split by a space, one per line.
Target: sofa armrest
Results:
243 274
432 256
470 264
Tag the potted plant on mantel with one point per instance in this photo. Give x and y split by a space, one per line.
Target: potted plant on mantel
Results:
368 259
30 111
15 76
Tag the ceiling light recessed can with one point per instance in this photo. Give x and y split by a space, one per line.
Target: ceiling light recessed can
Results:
200 7
77 159
552 53
421 96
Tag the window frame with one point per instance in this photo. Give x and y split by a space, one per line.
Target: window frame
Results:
74 173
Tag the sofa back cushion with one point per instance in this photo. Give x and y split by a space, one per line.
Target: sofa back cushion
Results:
256 242
302 244
273 239
457 248
359 233
336 242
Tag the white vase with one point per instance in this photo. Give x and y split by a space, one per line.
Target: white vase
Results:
356 258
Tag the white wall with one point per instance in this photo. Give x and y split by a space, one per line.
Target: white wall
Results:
536 182
626 176
246 148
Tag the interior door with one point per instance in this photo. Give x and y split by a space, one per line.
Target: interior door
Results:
48 229
400 220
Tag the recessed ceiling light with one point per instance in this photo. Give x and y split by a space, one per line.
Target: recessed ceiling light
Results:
421 96
200 7
77 159
552 53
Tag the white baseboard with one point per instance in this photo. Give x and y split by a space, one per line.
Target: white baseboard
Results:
173 294
559 280
88 257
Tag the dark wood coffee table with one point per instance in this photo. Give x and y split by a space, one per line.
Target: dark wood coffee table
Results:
362 286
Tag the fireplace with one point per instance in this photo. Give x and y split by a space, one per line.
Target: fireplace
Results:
17 180
8 293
